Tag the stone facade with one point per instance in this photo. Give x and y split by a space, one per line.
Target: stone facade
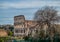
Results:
24 27
19 28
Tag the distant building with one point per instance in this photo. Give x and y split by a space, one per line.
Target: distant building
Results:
24 27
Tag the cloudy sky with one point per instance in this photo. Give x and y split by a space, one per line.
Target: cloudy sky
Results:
11 8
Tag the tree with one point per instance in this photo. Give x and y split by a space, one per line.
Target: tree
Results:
11 28
10 33
47 15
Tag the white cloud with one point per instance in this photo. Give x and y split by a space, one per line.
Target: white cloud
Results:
31 4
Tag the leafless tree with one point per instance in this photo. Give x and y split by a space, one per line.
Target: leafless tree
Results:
47 15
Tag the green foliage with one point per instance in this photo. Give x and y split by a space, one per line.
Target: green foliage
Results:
26 37
1 27
11 28
2 39
10 33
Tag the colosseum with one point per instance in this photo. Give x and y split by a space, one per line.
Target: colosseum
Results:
24 27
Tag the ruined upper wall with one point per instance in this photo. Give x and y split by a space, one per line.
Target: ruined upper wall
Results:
30 23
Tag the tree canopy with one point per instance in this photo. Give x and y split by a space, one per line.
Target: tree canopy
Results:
47 14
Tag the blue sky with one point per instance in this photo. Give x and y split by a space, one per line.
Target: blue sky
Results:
11 8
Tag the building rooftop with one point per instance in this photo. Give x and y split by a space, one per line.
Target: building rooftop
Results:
19 16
